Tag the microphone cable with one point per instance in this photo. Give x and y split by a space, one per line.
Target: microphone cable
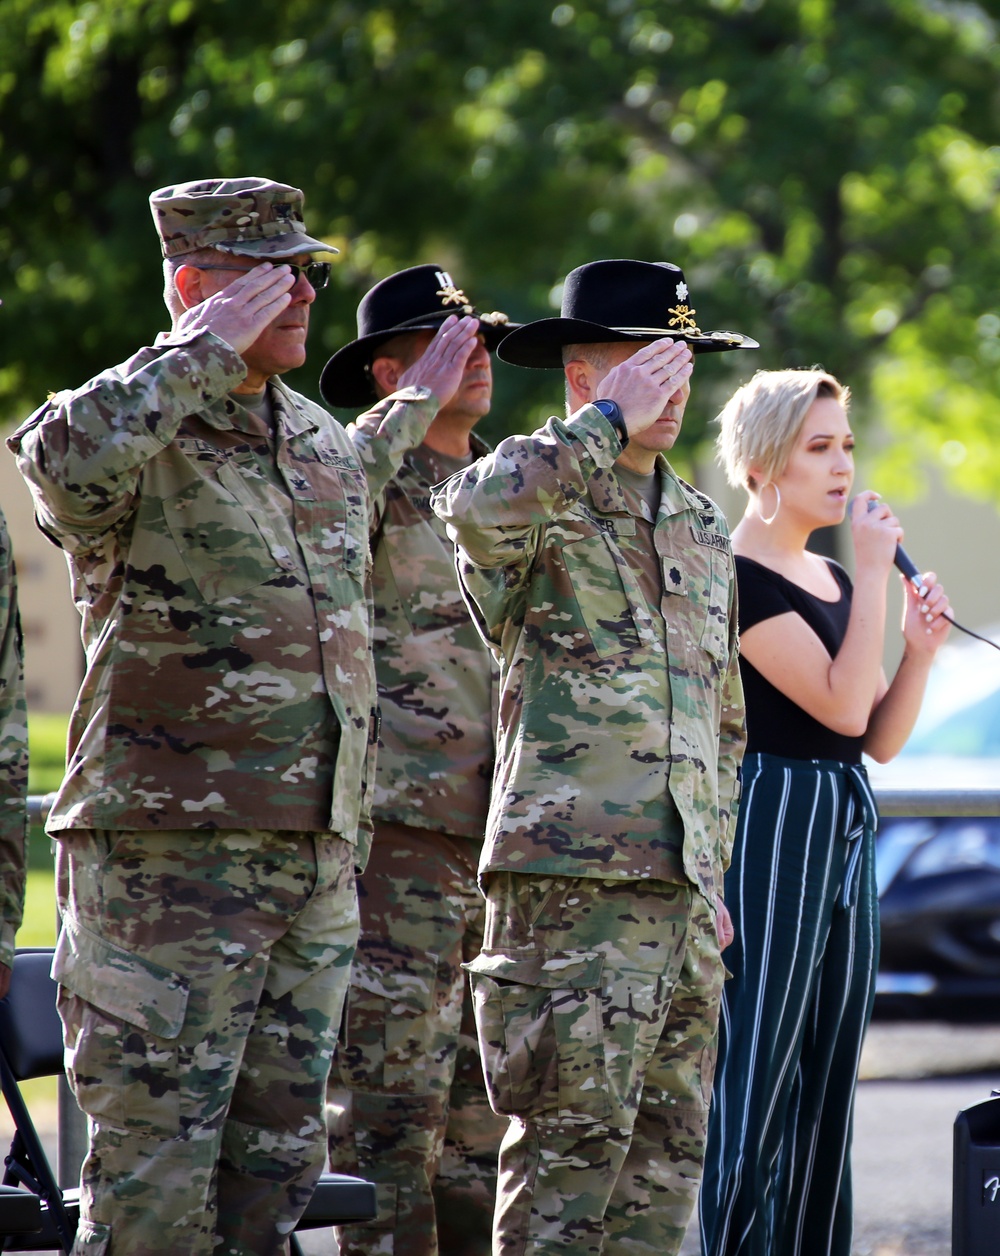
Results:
909 569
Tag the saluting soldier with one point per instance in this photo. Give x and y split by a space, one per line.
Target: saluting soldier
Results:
214 805
605 586
408 1103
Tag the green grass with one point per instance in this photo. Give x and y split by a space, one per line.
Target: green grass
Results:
39 925
46 751
46 762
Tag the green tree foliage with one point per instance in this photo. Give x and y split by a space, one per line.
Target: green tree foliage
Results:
825 173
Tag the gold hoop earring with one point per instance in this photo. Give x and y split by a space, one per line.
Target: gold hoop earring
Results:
769 519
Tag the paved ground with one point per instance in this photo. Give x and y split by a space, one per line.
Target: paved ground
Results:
915 1079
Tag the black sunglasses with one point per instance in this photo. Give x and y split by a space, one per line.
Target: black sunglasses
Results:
317 273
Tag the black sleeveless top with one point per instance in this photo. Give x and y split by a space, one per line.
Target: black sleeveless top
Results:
775 724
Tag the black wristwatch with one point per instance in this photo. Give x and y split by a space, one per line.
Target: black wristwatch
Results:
612 411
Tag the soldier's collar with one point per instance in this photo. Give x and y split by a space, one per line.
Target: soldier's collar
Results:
232 414
292 419
674 497
606 492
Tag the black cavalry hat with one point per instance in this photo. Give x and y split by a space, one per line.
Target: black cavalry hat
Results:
618 300
416 299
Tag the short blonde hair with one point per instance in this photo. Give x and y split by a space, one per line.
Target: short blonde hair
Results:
761 421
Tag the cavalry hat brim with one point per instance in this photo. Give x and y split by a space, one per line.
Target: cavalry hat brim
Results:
540 344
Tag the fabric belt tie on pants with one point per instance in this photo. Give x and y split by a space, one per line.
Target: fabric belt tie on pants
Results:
861 821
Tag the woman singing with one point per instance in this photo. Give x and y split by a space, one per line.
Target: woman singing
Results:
801 887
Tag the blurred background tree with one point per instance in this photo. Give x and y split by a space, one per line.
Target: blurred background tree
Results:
825 173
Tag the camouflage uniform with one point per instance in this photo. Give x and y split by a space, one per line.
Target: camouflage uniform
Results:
13 755
410 1111
214 804
621 727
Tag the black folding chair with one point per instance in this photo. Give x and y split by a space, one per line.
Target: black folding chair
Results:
20 1212
31 1046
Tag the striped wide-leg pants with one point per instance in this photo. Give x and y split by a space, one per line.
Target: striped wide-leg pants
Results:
801 891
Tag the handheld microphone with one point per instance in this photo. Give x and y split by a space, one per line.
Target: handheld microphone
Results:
908 567
903 561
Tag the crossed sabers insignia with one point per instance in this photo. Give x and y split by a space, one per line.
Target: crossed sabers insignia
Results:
683 318
449 294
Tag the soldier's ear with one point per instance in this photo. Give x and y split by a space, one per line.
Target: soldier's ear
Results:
578 380
386 372
579 383
188 282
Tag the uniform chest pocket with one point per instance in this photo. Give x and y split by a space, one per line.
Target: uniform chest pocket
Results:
337 515
227 548
602 584
702 579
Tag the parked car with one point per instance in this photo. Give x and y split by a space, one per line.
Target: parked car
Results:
939 877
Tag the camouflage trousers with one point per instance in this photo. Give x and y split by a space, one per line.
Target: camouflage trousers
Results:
202 974
407 1103
597 1005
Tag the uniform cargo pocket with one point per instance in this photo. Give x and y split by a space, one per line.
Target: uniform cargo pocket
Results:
715 637
120 1015
541 1036
339 512
116 981
391 1001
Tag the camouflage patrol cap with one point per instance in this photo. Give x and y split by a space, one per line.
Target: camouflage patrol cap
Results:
255 217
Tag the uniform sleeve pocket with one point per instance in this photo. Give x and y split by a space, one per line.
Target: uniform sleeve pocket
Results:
538 1017
119 983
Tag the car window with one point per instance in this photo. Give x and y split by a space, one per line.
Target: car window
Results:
972 730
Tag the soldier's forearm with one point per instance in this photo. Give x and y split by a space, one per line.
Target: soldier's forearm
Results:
384 435
528 481
84 449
